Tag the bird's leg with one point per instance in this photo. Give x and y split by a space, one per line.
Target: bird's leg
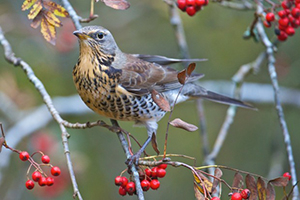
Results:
134 159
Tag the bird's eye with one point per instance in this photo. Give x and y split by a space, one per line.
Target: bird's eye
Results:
100 35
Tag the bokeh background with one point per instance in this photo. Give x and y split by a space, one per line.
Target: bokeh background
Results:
255 141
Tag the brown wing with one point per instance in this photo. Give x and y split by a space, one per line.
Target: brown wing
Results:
140 77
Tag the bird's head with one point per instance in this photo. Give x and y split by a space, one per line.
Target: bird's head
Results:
96 38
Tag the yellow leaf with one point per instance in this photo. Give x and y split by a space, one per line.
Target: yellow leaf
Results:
207 183
52 19
35 10
48 31
27 4
56 9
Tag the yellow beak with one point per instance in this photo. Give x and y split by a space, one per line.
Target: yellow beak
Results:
81 35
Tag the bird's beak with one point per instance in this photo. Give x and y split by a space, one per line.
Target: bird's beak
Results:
81 35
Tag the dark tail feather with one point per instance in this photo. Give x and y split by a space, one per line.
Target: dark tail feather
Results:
224 99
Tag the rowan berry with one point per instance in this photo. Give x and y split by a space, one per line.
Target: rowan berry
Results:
154 172
200 2
145 184
290 31
148 172
236 196
287 174
281 13
118 180
161 172
124 181
122 191
295 12
130 187
36 176
245 193
190 2
24 155
190 10
181 4
154 184
45 159
283 21
29 184
215 198
162 166
267 24
42 181
55 171
50 181
282 36
286 4
270 17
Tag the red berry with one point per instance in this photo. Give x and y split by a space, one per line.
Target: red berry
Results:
281 13
148 172
215 198
286 4
24 155
200 2
236 196
296 12
42 181
118 180
283 21
267 24
154 172
124 181
55 171
245 193
270 17
29 184
290 31
161 172
50 181
282 36
181 4
190 2
45 159
190 10
154 184
287 174
36 176
122 191
206 2
163 166
145 184
130 187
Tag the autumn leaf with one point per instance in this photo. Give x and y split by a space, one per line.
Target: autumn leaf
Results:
117 4
190 68
251 185
237 181
160 100
56 9
37 20
203 181
270 192
181 76
52 19
280 181
27 4
48 31
218 174
261 189
178 123
35 10
198 194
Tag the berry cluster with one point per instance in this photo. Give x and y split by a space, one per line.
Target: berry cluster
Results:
39 175
148 178
245 194
287 19
191 6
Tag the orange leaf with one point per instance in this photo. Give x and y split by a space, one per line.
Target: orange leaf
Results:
191 68
56 9
160 100
27 4
181 76
48 31
52 19
35 10
117 4
178 123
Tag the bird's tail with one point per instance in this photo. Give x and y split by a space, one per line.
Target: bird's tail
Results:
196 91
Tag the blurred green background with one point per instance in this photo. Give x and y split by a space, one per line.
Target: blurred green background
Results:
214 33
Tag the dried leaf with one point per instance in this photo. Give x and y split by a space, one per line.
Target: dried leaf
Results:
56 9
52 19
2 141
198 194
154 143
181 76
160 100
237 181
270 192
35 10
208 184
117 4
37 20
48 31
261 189
178 123
218 174
191 68
27 4
251 185
280 181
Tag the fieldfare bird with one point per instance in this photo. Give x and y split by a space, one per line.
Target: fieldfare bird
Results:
130 87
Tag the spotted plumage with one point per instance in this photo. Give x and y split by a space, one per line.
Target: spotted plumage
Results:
121 86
